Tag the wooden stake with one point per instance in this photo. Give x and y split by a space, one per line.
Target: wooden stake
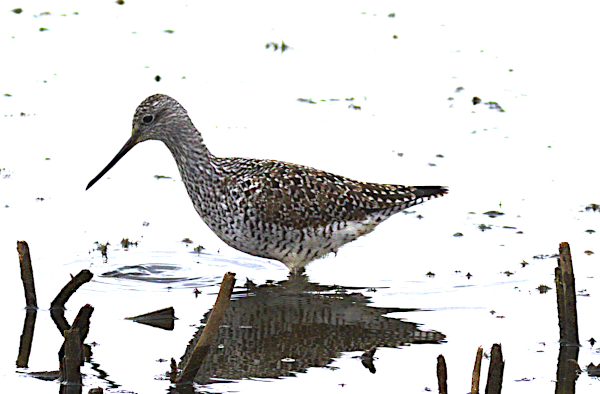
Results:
70 374
27 274
565 295
190 369
476 372
26 338
494 382
442 375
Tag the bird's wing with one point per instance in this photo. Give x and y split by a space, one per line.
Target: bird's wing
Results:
293 195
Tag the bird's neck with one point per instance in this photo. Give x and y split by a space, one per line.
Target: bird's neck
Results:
195 162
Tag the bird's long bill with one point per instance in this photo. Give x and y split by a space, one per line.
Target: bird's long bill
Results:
126 148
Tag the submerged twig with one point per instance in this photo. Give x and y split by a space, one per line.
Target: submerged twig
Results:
201 349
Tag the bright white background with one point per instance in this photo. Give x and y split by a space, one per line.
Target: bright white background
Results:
78 83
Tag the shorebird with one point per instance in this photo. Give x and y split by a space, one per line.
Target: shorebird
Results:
267 208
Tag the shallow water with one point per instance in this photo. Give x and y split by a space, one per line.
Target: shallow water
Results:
73 91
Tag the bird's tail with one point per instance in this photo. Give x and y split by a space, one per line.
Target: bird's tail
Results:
428 192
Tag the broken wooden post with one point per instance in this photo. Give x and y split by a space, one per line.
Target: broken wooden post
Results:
201 349
565 294
567 369
30 304
26 338
82 323
442 375
69 366
496 371
27 274
476 372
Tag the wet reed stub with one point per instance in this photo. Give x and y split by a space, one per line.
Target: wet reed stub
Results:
209 332
75 283
565 296
496 371
442 375
476 371
27 274
57 307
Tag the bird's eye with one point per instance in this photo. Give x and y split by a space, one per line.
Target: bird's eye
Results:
148 119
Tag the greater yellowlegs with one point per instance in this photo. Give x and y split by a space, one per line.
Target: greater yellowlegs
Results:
267 208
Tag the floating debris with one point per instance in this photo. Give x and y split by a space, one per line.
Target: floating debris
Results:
593 207
126 243
187 241
162 177
366 359
493 214
162 318
545 256
476 100
303 100
494 105
543 289
593 370
199 249
276 46
103 248
590 231
458 234
484 227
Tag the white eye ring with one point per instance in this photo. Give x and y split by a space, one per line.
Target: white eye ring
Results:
148 119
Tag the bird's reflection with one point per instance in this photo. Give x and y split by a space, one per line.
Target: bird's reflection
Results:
279 329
